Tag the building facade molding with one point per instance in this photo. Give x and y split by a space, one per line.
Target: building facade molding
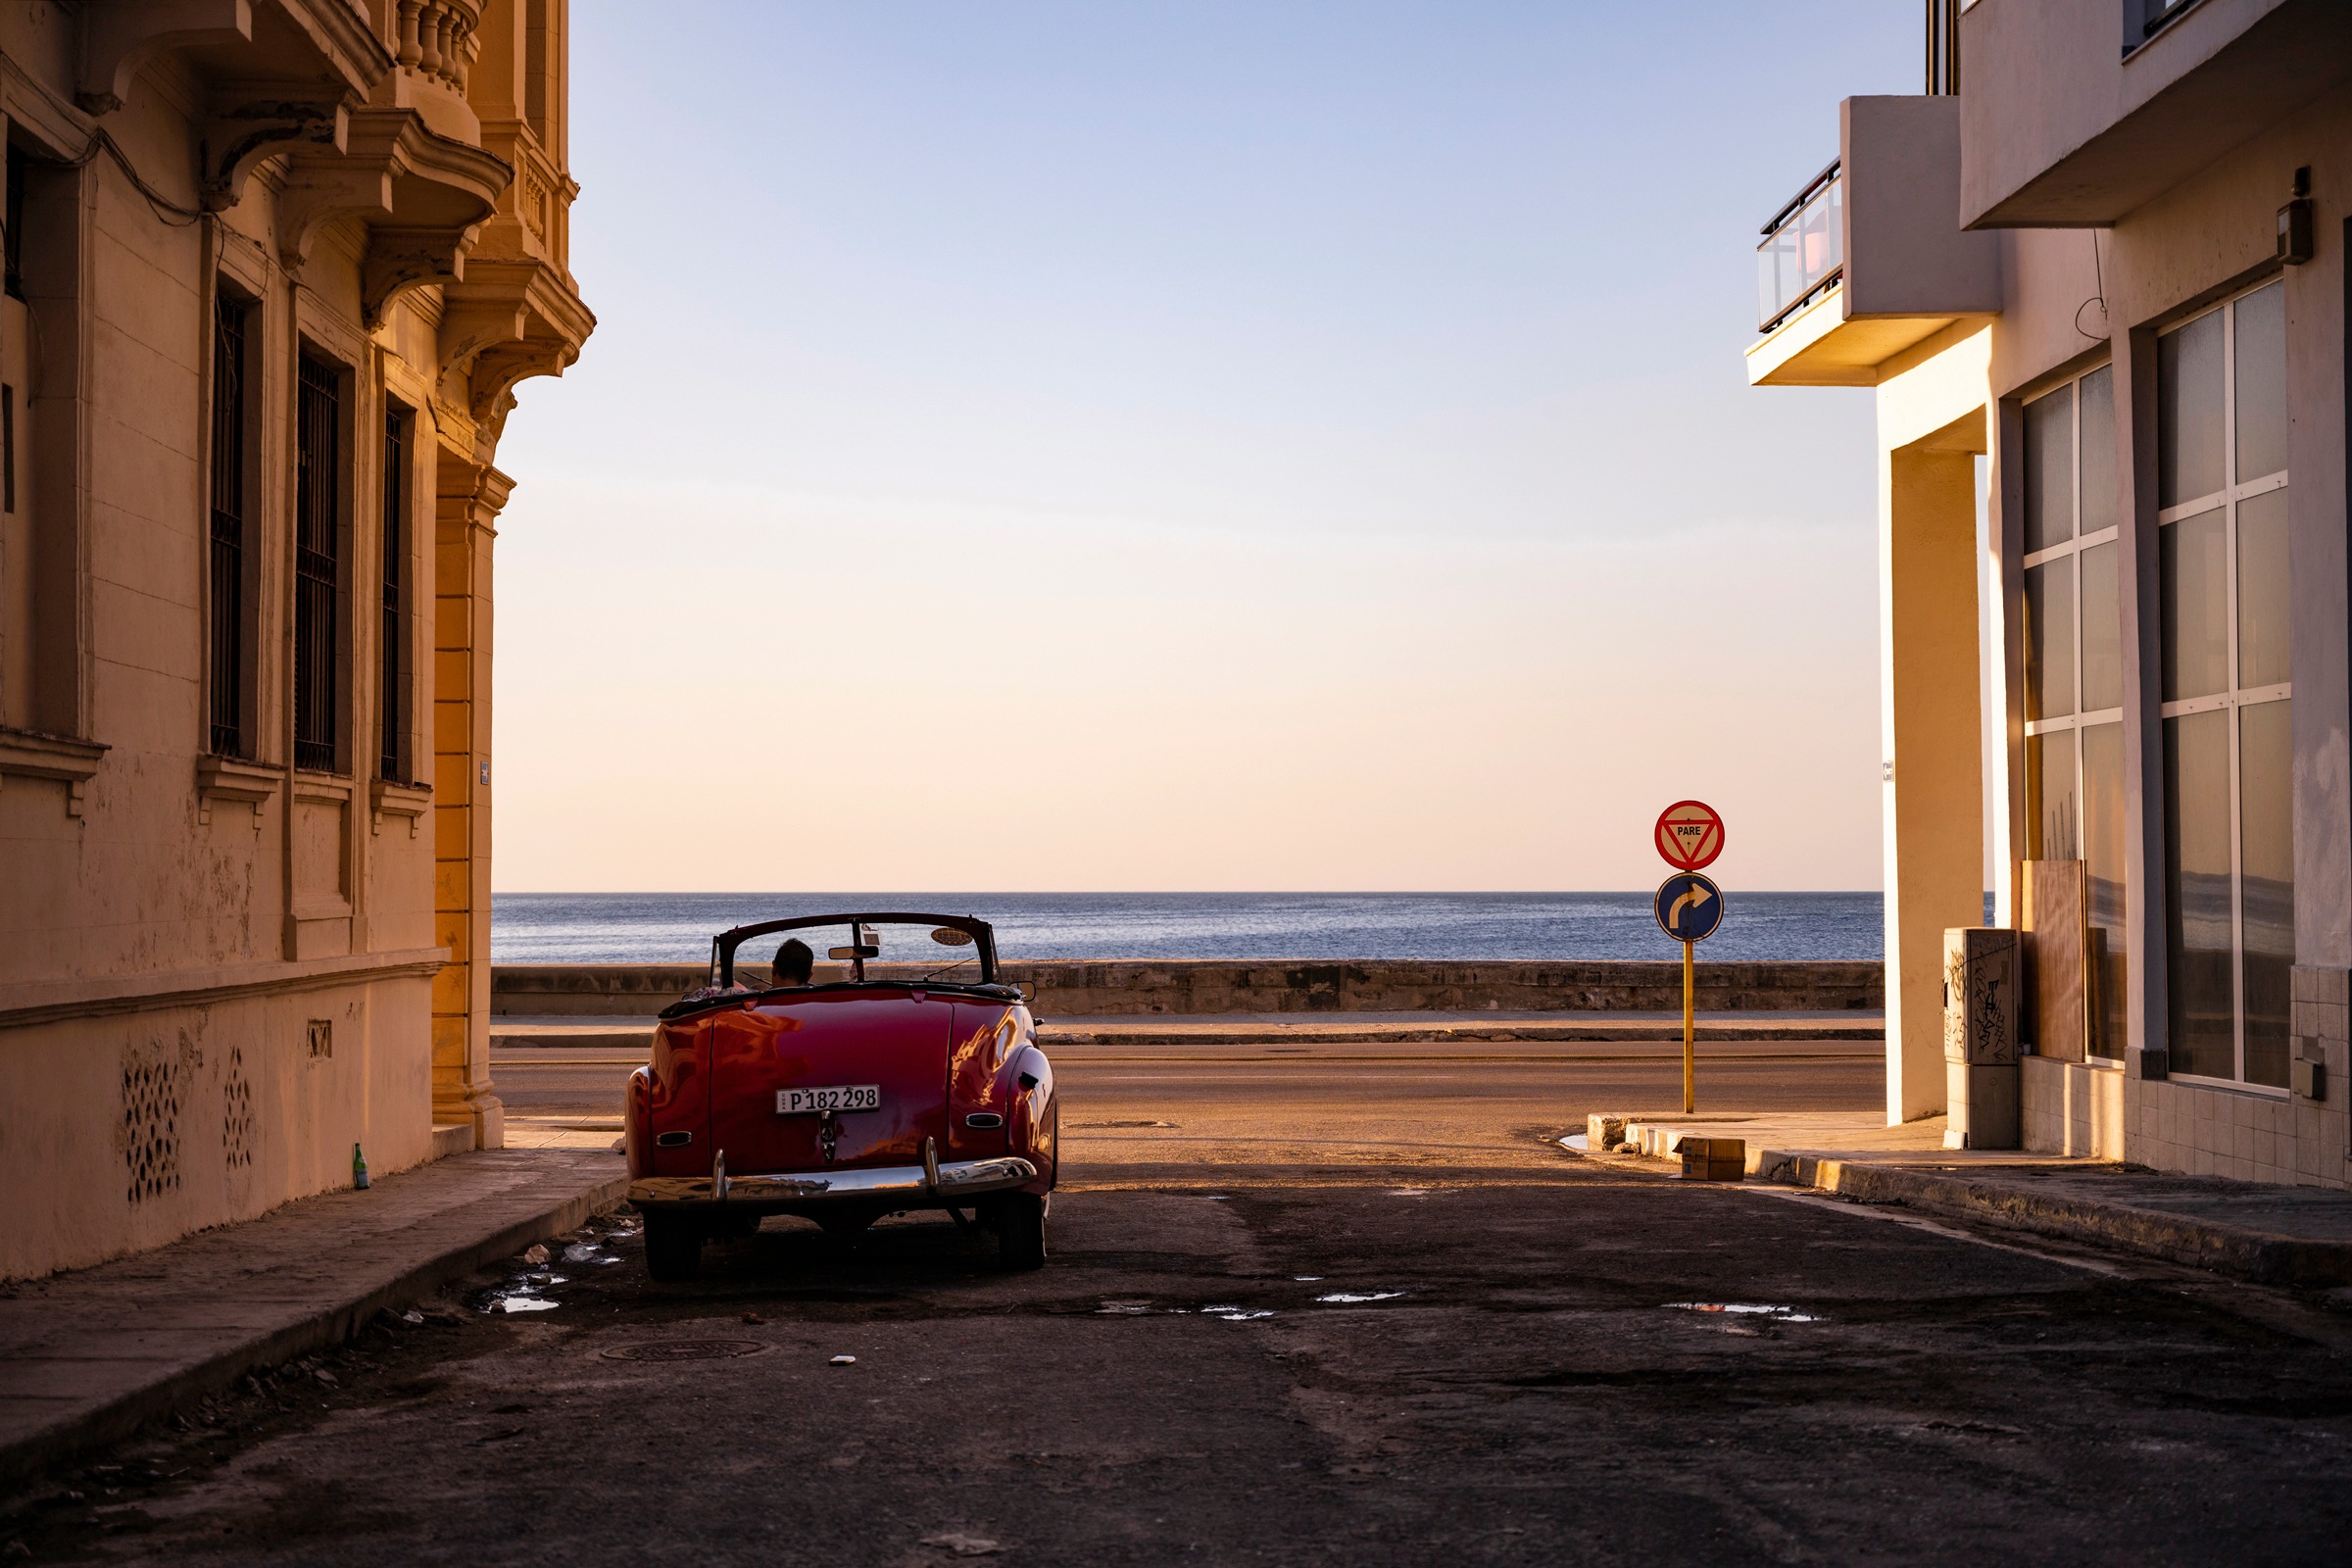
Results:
29 754
55 1002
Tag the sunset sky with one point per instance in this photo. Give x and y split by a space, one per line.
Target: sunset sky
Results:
1188 447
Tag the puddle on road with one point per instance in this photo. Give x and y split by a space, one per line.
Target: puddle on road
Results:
1226 1311
1408 1192
1582 1143
518 1302
1358 1298
1776 1313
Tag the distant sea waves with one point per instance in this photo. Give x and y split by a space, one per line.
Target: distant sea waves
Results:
678 927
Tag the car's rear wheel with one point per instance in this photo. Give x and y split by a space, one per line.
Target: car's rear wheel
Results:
1020 1224
673 1247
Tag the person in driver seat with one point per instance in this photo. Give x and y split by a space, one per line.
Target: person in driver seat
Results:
793 965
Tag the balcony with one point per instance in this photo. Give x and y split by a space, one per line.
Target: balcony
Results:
2069 123
1867 259
1803 250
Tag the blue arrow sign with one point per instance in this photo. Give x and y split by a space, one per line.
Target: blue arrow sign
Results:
1688 907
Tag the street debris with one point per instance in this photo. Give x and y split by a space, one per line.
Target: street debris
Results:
843 1360
1777 1314
412 1317
753 1317
964 1546
1356 1298
534 1254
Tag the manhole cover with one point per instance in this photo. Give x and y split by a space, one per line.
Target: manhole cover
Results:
685 1350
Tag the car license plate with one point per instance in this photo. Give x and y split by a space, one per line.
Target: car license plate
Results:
834 1097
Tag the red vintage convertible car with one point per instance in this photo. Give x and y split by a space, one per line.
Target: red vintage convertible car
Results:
846 1094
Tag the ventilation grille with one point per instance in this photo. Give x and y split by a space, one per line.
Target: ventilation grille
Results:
236 1121
151 1099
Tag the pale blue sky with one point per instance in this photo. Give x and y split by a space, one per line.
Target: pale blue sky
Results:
1188 445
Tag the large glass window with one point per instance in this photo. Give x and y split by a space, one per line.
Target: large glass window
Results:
2075 667
2229 753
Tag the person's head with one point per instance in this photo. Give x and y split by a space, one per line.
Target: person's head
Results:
794 963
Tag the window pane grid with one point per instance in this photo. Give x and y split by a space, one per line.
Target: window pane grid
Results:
2071 635
2228 810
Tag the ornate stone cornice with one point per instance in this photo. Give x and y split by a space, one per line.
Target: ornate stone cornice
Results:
510 318
423 196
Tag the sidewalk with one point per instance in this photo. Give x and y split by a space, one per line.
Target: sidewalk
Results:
86 1357
2275 1235
509 1031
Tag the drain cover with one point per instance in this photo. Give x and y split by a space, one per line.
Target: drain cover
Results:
685 1350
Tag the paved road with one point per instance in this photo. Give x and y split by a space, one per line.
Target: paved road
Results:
1482 1091
1359 1317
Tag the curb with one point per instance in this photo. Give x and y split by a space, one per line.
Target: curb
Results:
2263 1257
83 1431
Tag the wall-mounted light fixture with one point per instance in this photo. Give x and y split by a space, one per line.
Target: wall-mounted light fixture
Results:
2295 222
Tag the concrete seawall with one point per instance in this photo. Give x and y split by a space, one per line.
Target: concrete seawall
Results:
1099 988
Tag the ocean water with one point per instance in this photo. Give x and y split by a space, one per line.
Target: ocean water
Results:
678 927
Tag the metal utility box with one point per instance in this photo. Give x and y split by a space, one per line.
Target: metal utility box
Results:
1979 1038
1713 1159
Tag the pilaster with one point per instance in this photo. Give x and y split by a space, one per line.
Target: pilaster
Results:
468 498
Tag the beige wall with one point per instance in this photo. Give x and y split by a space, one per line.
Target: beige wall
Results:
237 949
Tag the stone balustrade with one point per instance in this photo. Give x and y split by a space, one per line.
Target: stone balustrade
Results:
437 39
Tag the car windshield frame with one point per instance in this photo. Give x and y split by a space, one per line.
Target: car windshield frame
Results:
983 935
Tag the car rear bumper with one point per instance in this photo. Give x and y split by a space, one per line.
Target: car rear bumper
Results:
909 1186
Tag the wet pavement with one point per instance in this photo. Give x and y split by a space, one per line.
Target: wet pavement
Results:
1525 1357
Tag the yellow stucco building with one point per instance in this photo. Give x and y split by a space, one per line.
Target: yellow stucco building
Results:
274 269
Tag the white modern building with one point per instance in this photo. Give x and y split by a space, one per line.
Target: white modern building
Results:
2099 268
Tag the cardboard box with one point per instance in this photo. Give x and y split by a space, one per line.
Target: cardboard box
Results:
1713 1159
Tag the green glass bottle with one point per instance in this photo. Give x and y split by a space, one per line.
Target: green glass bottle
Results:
359 1169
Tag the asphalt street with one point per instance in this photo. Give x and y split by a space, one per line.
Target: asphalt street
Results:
1360 1313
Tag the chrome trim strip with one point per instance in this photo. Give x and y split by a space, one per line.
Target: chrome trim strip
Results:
956 1179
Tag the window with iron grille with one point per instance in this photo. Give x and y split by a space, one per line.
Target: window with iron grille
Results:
227 623
392 656
12 272
317 567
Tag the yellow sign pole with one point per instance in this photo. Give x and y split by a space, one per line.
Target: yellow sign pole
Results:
1690 1033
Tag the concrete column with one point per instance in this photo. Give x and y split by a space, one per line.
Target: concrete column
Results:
468 498
1934 743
